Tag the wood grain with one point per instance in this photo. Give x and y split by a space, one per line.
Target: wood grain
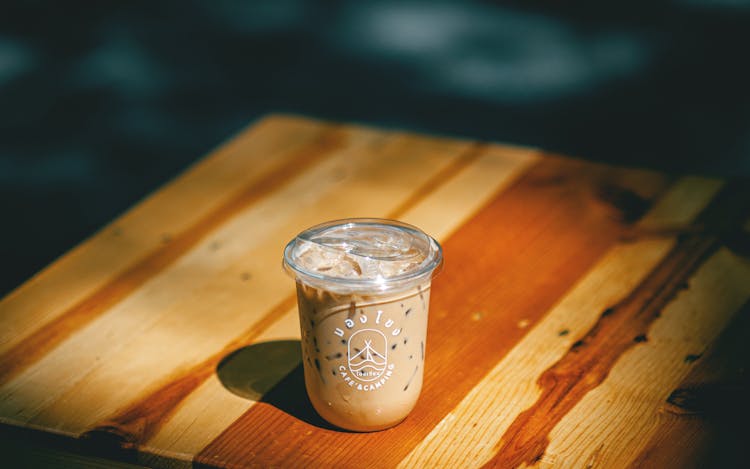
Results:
440 213
635 388
195 307
587 315
701 421
530 216
484 415
79 273
139 422
619 328
46 338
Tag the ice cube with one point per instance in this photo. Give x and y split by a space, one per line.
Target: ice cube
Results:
362 253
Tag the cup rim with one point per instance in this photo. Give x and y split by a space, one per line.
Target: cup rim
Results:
429 267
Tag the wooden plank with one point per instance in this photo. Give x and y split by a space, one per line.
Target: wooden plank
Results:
469 434
701 422
494 168
533 215
84 283
619 328
636 388
625 409
577 303
212 407
194 308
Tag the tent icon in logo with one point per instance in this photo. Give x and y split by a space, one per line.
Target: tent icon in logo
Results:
368 354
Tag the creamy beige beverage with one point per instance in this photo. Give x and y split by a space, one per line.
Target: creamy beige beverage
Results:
363 292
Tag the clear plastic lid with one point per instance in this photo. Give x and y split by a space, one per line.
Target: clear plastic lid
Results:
361 255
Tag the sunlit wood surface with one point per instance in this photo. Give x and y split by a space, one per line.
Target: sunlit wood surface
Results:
587 315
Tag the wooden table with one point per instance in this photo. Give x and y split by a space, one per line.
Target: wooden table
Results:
587 315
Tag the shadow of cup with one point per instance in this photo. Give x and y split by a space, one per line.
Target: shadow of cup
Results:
271 373
252 371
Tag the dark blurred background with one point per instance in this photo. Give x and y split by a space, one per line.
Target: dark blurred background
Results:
101 101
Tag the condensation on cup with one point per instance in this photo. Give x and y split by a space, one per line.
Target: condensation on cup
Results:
363 290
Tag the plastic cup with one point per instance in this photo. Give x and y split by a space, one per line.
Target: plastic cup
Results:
363 290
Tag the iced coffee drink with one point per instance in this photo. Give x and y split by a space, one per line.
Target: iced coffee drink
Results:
363 292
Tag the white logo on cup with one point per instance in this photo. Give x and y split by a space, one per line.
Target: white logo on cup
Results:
368 354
